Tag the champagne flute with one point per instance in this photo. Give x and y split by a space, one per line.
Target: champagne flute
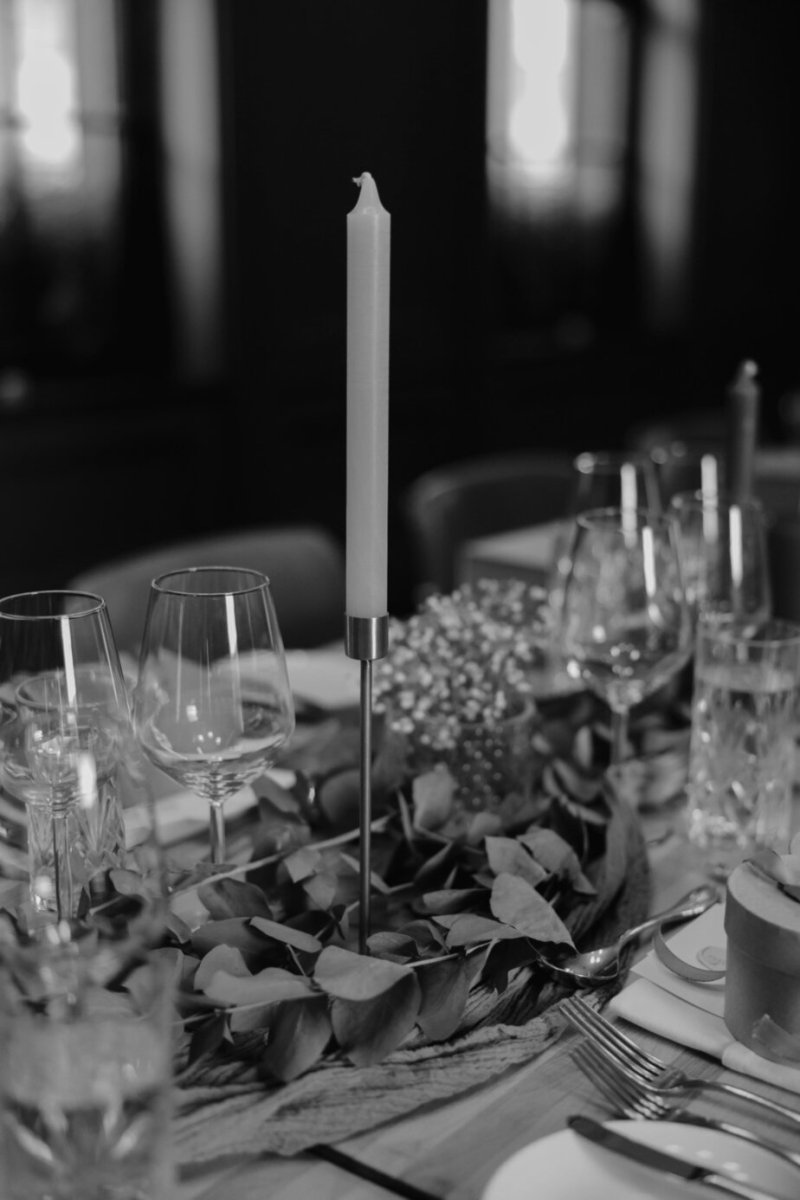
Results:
62 733
212 704
625 624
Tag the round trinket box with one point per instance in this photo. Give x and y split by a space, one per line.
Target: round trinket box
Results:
762 924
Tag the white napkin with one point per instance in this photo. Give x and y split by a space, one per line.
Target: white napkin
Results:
183 815
691 1013
325 676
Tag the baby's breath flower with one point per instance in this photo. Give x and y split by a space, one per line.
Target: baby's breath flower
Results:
462 658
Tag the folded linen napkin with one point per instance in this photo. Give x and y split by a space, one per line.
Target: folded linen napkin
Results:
326 676
690 1014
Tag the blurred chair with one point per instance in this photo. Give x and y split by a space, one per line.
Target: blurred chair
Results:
304 563
472 498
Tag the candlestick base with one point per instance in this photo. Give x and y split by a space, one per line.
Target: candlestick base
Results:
366 638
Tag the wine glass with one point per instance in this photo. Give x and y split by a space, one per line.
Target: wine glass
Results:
625 624
63 731
681 467
212 704
723 549
615 479
602 479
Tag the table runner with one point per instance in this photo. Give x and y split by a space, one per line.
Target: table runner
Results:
226 1109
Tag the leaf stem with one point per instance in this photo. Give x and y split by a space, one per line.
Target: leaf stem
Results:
341 839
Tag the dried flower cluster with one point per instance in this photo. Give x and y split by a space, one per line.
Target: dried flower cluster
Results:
463 658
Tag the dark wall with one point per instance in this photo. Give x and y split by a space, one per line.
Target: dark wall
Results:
314 92
317 93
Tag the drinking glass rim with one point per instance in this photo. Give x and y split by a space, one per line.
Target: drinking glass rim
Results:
96 605
613 516
697 500
611 460
731 632
260 581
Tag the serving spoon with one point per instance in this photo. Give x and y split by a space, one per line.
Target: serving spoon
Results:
599 966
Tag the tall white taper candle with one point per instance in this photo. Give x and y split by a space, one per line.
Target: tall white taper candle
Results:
368 257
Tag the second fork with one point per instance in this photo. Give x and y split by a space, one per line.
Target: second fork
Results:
630 1099
656 1076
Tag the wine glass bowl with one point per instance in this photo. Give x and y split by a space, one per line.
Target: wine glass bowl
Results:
625 626
602 479
212 705
62 737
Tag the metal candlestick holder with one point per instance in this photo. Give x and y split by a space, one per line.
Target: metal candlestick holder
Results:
366 638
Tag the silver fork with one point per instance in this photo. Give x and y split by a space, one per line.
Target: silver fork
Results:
656 1076
630 1099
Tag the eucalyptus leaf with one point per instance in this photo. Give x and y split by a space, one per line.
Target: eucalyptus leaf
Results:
236 932
296 938
444 987
220 958
368 1031
427 938
269 986
207 1037
376 882
359 977
470 929
144 982
557 857
322 889
509 856
233 898
129 883
389 943
302 863
252 1018
483 825
450 900
437 867
516 903
338 797
433 794
298 1037
180 930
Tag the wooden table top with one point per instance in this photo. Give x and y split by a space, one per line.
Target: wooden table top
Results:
452 1150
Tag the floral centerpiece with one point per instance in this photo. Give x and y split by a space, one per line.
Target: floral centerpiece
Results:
457 688
467 903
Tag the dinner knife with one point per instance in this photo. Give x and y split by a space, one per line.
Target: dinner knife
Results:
649 1156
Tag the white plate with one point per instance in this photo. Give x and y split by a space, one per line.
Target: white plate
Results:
565 1166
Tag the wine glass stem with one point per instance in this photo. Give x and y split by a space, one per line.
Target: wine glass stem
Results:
62 873
619 736
217 830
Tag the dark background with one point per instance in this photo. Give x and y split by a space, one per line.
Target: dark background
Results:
501 337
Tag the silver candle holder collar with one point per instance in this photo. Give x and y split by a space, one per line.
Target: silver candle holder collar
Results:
367 639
